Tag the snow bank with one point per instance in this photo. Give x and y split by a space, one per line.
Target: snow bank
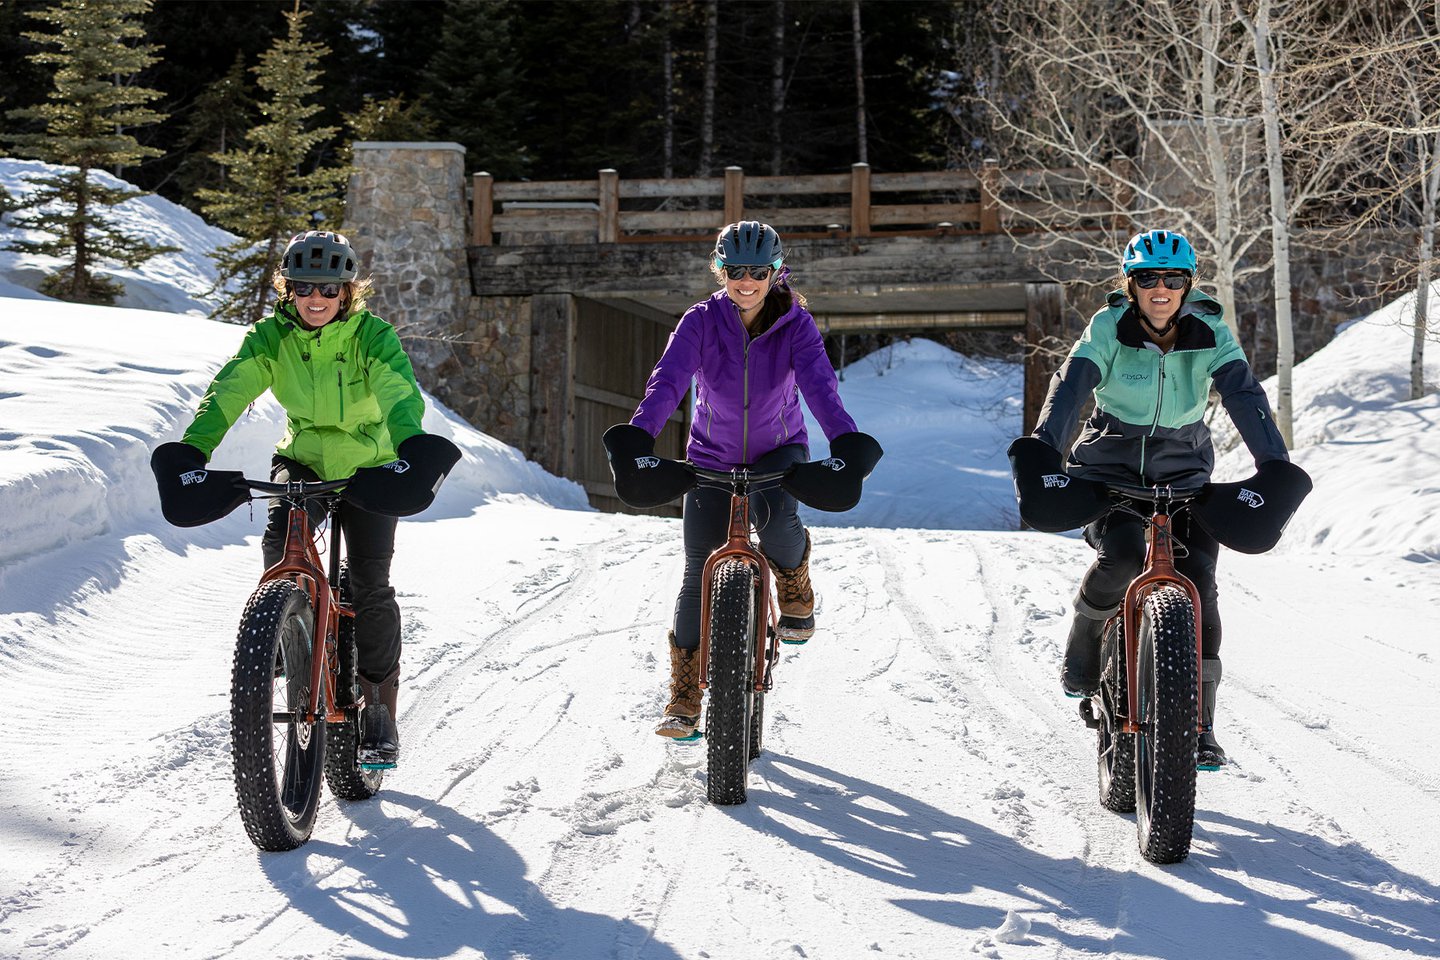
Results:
1374 454
87 392
171 282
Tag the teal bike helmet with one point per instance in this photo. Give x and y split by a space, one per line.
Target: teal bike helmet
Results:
319 255
749 243
1158 250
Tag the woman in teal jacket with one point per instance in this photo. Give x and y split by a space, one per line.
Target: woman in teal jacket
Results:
350 401
1150 356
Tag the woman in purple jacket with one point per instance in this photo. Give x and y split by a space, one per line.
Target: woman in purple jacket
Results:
751 349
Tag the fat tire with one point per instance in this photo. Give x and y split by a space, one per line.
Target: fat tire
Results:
346 778
733 615
1165 745
1115 748
278 765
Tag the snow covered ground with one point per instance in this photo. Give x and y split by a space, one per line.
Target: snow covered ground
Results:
925 791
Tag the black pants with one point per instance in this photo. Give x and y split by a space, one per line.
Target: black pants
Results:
1119 542
707 522
369 547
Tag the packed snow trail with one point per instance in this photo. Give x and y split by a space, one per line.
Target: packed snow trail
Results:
922 776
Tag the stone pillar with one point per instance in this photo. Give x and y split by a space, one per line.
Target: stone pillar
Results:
405 215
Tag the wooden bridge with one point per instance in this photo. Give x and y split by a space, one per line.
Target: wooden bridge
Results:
576 285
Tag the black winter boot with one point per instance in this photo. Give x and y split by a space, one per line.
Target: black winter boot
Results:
379 733
1209 755
1080 676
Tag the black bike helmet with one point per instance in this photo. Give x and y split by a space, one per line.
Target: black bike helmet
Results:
318 255
749 243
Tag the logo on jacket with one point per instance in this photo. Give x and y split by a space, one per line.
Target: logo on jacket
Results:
834 463
1055 480
193 476
399 466
646 463
1134 377
1250 498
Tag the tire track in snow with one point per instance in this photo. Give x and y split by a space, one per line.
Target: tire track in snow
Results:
1049 760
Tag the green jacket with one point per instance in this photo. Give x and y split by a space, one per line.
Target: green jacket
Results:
348 391
1149 421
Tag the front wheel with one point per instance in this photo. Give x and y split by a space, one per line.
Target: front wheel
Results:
733 614
279 759
1165 745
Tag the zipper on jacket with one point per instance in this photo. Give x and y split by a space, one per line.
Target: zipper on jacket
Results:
745 416
1159 397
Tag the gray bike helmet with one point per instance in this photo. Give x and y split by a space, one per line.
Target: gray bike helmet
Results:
749 243
1158 249
318 255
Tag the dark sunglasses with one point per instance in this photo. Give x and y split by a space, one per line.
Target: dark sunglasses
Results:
756 273
329 291
1149 280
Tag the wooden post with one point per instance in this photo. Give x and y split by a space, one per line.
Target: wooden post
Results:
734 194
1044 334
482 211
859 199
990 196
609 214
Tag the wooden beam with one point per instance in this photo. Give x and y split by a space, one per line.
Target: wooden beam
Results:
954 319
990 197
1044 331
859 199
607 219
734 194
482 211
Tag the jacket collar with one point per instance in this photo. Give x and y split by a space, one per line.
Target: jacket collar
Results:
729 310
339 327
1195 333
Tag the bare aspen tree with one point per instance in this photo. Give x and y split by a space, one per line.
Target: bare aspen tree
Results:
862 141
777 87
707 110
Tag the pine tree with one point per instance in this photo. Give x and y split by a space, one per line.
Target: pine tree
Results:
477 88
218 117
86 120
269 195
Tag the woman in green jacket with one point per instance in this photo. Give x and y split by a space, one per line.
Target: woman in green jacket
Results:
1150 357
350 401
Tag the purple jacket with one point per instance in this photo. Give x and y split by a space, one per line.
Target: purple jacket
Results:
747 392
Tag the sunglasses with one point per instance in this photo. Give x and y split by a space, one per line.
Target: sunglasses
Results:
1149 280
756 273
329 291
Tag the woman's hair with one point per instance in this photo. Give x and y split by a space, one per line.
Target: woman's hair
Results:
353 293
777 300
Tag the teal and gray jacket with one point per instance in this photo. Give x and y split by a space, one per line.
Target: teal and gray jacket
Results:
1149 427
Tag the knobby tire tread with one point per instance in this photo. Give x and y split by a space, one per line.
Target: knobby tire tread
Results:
1165 747
728 715
278 796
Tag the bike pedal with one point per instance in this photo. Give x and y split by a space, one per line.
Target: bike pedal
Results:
1087 714
793 641
377 766
695 737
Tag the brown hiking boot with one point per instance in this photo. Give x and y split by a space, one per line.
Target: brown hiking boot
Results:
379 733
797 599
682 713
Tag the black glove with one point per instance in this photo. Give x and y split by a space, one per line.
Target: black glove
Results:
835 483
408 484
641 478
1250 515
1050 499
190 495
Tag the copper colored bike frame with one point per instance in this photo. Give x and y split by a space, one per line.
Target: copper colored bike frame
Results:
1159 571
301 564
739 546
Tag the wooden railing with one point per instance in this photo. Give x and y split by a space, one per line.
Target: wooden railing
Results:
611 210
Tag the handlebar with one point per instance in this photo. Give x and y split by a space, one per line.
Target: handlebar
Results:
296 489
740 479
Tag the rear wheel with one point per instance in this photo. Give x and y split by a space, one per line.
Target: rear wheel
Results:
728 717
347 779
1116 747
1165 745
278 758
